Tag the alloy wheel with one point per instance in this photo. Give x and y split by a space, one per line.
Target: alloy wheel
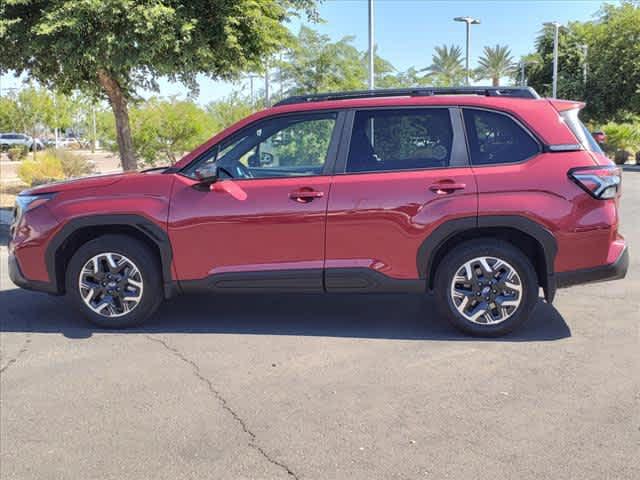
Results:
486 290
110 284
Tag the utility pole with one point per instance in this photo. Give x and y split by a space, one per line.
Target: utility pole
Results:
469 21
556 35
267 100
372 82
55 117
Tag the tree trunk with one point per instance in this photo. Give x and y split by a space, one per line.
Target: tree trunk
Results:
495 81
118 104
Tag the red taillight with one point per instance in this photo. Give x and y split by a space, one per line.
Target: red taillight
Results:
601 182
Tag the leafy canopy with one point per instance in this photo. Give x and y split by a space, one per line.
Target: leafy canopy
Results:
66 42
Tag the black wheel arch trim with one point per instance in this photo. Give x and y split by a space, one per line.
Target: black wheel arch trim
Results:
429 248
146 227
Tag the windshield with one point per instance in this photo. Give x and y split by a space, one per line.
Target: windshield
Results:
580 130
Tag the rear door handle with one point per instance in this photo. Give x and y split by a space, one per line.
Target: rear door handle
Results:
305 196
443 188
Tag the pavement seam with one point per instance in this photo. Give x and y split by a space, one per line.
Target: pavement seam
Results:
22 351
225 405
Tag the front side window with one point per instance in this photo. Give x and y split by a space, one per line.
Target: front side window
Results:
408 139
496 138
277 147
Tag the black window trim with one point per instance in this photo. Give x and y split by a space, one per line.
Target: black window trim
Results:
541 145
458 145
332 151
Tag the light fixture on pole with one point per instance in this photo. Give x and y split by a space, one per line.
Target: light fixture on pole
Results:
556 26
469 21
372 84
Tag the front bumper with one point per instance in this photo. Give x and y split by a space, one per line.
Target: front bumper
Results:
612 271
16 276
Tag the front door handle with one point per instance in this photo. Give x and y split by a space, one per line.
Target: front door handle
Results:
305 196
444 188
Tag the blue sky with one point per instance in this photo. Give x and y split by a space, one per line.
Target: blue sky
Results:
408 30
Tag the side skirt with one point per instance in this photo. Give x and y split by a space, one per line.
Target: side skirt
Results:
335 280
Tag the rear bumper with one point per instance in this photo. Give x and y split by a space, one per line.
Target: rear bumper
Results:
16 276
612 271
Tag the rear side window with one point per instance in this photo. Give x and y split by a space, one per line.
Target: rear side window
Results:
408 139
496 138
580 131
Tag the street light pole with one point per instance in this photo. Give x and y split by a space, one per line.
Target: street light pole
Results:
372 84
556 26
469 21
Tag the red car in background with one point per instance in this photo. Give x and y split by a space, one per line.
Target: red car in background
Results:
484 196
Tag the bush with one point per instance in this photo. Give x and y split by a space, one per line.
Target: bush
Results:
73 165
623 140
53 165
46 168
17 153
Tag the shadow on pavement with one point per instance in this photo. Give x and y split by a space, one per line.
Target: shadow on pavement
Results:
406 317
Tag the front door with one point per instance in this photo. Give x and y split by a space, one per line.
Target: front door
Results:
262 225
404 173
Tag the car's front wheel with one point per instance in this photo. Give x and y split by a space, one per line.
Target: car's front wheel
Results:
486 288
115 281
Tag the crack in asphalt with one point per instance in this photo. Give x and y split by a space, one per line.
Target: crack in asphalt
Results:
253 443
22 351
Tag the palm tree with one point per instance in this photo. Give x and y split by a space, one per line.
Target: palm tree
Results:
447 66
496 63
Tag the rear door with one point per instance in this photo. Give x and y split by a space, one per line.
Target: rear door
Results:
401 173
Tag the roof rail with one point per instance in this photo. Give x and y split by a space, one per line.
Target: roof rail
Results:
516 92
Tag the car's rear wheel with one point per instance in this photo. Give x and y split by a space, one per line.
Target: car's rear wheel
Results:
115 281
486 288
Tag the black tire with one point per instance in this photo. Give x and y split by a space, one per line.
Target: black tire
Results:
147 264
455 259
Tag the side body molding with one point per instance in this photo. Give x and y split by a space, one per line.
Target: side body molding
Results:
429 249
151 230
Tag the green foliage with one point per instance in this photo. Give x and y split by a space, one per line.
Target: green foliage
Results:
229 110
612 58
163 130
495 63
73 165
304 143
8 114
447 66
111 49
622 136
53 165
315 64
46 168
16 154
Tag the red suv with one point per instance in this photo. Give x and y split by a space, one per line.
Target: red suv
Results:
481 195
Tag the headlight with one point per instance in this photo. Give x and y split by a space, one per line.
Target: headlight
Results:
24 203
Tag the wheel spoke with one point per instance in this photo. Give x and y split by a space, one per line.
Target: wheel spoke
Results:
110 284
486 290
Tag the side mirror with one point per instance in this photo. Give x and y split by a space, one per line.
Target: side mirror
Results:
266 158
207 175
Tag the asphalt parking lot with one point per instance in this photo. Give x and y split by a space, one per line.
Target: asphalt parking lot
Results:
335 387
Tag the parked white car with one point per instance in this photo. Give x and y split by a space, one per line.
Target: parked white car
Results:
8 140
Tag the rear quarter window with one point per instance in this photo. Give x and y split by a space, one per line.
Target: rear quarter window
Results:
495 138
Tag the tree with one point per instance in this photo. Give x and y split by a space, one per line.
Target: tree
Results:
229 110
447 67
34 108
315 64
612 61
8 114
112 49
495 63
163 130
